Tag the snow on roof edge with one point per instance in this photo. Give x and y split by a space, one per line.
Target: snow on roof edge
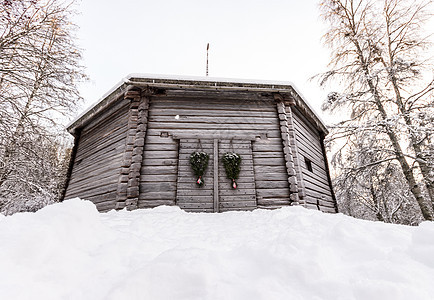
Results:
193 78
208 79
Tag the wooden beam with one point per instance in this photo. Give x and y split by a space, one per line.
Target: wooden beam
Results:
248 137
216 175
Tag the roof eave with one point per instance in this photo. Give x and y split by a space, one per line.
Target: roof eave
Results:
148 81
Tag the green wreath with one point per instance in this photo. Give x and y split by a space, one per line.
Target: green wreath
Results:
199 163
232 164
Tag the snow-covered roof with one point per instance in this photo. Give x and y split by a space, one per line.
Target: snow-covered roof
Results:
177 80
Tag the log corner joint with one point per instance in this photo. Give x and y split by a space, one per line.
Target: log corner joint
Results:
128 187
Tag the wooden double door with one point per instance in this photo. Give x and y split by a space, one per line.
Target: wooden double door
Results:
217 194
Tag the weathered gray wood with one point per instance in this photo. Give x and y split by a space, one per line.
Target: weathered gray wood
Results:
273 202
97 159
211 133
270 176
215 134
154 203
157 196
267 147
169 112
255 128
216 119
317 188
272 161
282 184
158 178
273 193
216 170
238 204
239 191
197 205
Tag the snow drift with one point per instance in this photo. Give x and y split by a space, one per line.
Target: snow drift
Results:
70 251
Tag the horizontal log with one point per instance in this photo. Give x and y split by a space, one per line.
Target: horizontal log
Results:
195 192
194 199
314 156
158 178
311 206
154 196
215 119
208 106
159 170
146 187
154 203
301 119
276 154
223 209
169 112
215 133
152 139
323 184
283 184
161 147
105 206
110 145
91 183
238 204
94 192
208 179
199 210
120 108
112 162
238 191
211 126
274 201
196 205
273 193
270 176
316 188
229 198
159 162
267 147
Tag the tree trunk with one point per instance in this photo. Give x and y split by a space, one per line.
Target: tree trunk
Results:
423 166
408 172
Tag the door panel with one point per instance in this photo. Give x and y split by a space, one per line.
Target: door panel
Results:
244 196
189 196
194 198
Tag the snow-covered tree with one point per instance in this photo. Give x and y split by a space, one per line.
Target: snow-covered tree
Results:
39 72
379 58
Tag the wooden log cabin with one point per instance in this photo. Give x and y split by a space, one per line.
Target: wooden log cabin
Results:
132 148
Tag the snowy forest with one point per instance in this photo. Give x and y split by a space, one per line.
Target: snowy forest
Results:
380 76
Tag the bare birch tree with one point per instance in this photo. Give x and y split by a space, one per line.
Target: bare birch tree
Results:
39 72
378 57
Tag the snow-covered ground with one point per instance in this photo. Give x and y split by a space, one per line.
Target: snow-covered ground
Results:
70 251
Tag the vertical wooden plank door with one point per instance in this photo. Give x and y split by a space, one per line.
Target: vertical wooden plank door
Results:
217 194
189 195
244 196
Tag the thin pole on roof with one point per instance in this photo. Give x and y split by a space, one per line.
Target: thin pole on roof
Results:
207 48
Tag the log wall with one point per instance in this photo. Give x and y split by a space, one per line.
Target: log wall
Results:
95 171
136 154
211 118
309 147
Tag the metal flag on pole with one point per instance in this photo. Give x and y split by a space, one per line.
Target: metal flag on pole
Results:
207 48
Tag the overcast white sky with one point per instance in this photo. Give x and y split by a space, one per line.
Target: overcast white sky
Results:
249 39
